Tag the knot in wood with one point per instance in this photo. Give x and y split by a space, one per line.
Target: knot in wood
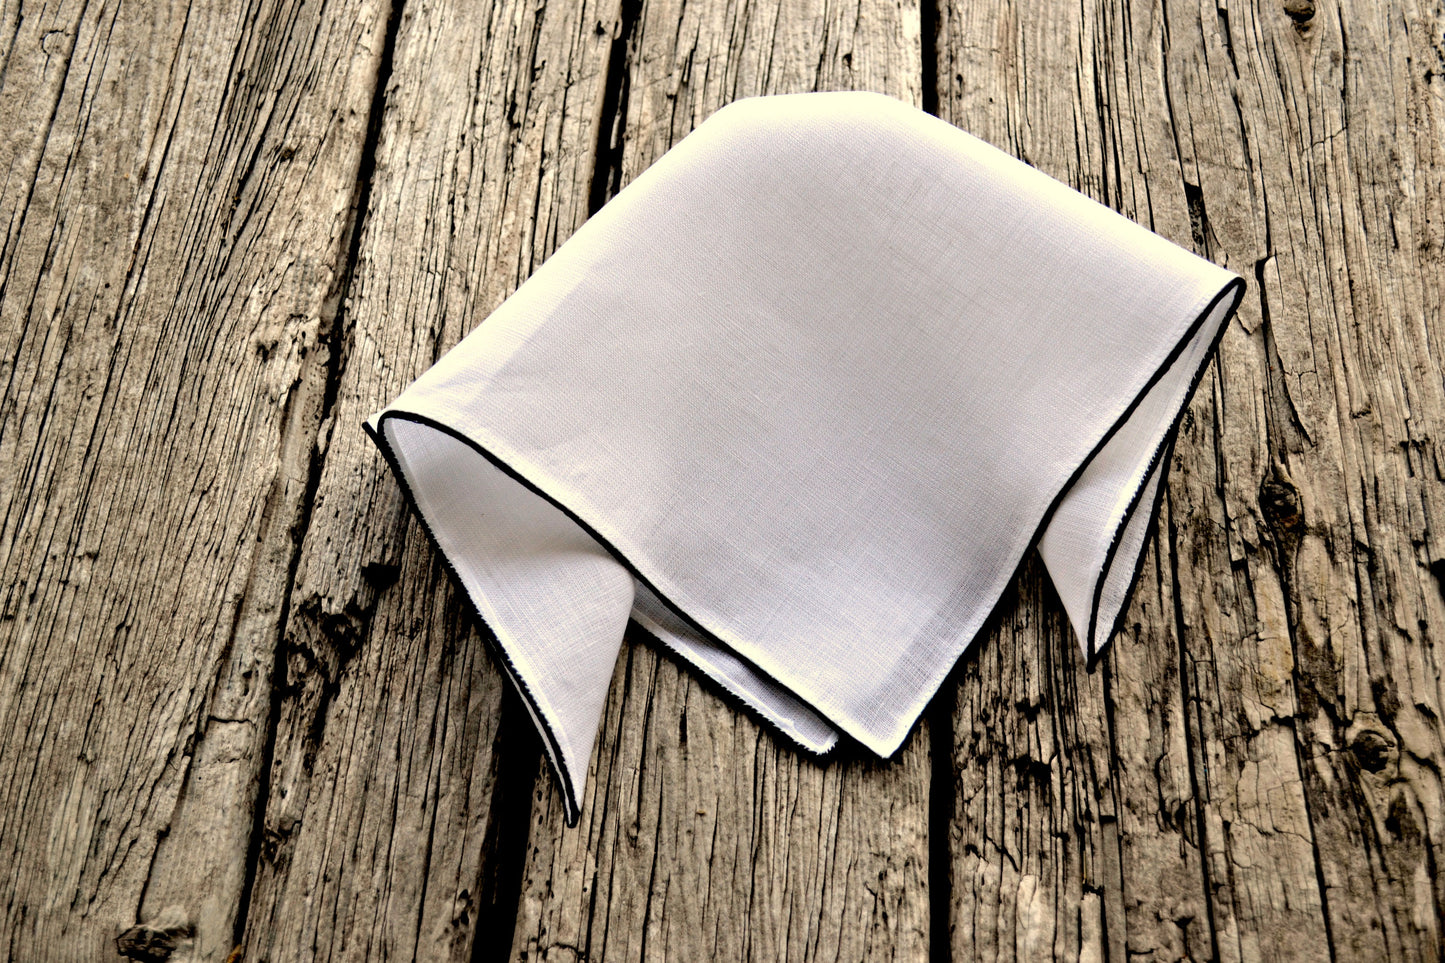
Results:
1300 11
1279 503
1373 750
154 942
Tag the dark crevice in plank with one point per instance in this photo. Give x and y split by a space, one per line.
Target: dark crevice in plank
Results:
612 122
941 786
337 334
1192 735
928 24
504 849
940 814
334 336
1310 802
1110 878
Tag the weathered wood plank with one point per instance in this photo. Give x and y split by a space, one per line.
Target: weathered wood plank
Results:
1273 706
1031 868
176 183
1254 772
1101 758
703 837
385 827
1318 676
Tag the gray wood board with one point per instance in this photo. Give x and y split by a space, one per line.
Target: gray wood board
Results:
382 836
703 836
1254 771
176 193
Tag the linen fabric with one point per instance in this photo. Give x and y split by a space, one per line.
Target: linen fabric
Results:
797 402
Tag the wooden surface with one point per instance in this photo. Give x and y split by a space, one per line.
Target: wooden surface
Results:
242 706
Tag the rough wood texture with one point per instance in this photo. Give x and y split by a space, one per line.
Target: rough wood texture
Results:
381 834
237 690
702 836
176 185
1269 741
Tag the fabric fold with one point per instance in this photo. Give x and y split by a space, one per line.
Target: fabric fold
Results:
555 600
797 402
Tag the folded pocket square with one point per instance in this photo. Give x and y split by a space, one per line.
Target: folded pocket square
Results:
798 401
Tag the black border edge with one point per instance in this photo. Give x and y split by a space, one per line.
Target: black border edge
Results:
571 808
1162 453
581 523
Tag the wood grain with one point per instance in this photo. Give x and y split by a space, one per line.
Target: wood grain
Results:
702 836
176 191
383 832
238 692
1272 708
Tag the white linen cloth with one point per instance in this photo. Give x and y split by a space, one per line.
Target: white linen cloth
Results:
798 401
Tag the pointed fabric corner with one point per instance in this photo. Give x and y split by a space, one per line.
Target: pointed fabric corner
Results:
1094 541
555 600
798 401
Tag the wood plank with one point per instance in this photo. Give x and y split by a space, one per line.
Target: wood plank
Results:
1030 867
1318 680
1084 806
1273 705
176 184
386 824
702 836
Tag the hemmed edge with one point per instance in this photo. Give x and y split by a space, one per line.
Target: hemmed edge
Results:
1160 459
571 808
